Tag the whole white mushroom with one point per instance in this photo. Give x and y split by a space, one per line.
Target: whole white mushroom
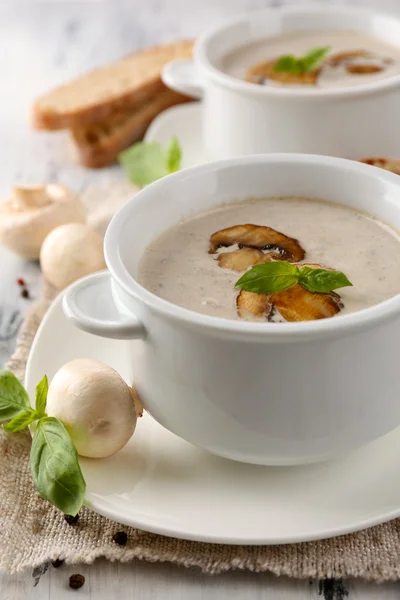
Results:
95 405
70 252
31 212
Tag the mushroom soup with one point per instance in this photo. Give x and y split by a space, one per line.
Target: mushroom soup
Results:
196 263
351 59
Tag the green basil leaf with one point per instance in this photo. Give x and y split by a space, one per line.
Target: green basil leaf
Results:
144 162
269 277
42 389
174 155
321 280
13 396
314 58
297 65
55 467
21 421
287 64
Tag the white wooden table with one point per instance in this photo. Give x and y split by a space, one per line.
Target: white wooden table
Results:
43 43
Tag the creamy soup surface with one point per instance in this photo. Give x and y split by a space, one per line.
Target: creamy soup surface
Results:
387 56
177 266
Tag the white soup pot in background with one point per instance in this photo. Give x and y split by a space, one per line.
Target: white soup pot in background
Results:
244 118
267 393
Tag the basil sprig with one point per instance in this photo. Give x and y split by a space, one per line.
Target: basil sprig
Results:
13 397
322 280
42 389
272 277
145 162
21 421
54 460
10 385
298 65
55 467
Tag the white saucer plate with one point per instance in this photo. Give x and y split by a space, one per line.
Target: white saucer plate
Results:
184 122
162 484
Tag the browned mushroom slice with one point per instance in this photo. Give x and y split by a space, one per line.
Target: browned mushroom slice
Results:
250 304
389 164
352 64
257 236
298 304
240 260
363 69
263 71
341 57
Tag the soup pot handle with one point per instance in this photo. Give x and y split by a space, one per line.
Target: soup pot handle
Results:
91 306
182 76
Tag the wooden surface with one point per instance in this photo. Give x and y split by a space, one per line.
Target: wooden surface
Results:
43 43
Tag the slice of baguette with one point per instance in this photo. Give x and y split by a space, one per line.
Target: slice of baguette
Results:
99 144
92 97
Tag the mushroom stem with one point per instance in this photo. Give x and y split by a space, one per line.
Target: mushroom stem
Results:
32 212
32 196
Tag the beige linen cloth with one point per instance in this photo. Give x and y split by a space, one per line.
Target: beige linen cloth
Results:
32 532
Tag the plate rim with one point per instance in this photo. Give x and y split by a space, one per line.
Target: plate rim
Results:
170 113
105 509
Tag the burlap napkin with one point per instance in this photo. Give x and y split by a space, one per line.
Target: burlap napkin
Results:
32 532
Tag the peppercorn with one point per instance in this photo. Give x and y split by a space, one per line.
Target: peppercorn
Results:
120 538
20 281
76 581
71 520
24 293
57 563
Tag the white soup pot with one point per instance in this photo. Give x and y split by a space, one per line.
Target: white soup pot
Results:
244 118
267 393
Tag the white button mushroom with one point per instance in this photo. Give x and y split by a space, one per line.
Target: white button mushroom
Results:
32 212
70 252
95 405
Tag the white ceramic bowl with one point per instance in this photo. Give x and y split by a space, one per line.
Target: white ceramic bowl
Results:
242 118
265 393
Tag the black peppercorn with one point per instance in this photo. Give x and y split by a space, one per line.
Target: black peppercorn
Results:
24 293
57 563
76 581
71 520
120 538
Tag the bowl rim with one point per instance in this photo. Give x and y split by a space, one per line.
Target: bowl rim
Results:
363 319
228 81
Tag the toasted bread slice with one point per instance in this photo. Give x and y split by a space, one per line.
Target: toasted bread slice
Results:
92 97
99 144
